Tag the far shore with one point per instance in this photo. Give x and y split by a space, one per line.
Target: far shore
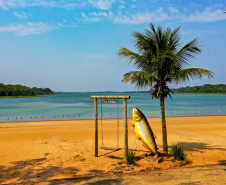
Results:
45 150
27 96
97 92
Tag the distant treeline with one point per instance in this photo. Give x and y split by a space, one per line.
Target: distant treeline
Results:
207 88
20 90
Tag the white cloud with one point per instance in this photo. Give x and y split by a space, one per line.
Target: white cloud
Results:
173 10
29 28
93 19
110 14
208 15
141 18
173 14
83 14
102 4
7 4
70 25
21 15
105 14
33 28
96 17
122 7
67 4
89 19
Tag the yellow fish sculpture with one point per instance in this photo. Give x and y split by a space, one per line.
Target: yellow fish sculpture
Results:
143 131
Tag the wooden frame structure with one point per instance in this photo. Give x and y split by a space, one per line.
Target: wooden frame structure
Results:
96 118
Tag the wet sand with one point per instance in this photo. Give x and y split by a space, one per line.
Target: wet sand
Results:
34 151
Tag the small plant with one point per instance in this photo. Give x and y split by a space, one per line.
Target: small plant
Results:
178 151
130 157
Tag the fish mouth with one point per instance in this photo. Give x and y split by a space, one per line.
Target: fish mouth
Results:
136 114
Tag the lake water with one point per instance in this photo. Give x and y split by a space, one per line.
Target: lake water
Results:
69 106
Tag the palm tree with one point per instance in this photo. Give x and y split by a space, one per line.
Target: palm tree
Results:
161 61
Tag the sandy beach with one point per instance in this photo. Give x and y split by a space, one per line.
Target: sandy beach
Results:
34 151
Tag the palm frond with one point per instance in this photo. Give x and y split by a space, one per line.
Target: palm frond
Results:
141 41
134 58
141 79
146 45
188 51
192 73
152 28
174 39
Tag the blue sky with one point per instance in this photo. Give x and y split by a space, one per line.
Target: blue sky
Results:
71 45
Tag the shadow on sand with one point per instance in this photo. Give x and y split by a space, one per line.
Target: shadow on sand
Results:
197 146
223 163
75 181
31 170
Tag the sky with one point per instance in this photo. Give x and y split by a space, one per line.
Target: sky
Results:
71 45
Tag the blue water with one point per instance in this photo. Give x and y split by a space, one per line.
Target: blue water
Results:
69 106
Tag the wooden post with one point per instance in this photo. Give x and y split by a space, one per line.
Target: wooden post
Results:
126 125
96 127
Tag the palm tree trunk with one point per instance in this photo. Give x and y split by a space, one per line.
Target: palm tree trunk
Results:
164 131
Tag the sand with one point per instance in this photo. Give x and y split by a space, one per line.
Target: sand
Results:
45 150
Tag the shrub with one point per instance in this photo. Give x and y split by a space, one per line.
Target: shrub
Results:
178 151
130 157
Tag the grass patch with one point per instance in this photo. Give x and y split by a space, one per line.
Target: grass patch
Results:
130 157
178 151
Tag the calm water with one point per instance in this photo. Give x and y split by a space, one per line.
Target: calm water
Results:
67 106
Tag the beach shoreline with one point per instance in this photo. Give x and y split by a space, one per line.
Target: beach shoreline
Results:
45 150
99 118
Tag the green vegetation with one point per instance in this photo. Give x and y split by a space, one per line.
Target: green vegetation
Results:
130 157
207 88
178 152
161 61
21 91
